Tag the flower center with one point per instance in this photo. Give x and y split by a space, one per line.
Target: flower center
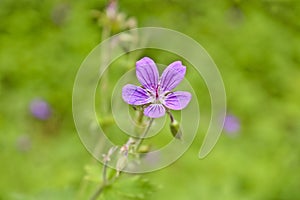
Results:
156 93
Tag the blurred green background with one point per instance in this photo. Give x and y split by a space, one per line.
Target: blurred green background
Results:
256 46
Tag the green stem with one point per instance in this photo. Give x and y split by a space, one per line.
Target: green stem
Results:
171 116
141 139
139 123
105 56
98 192
103 185
104 173
140 118
105 182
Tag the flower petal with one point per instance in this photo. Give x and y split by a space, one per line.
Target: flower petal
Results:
135 95
177 100
155 111
172 76
147 73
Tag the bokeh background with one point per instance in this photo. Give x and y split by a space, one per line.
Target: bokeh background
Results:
255 44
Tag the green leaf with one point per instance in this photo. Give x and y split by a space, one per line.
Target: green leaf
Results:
93 173
129 187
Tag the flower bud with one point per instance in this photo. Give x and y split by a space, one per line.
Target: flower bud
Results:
121 163
175 129
144 149
107 157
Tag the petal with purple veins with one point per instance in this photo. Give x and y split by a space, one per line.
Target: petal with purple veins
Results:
155 111
135 95
147 73
172 76
177 100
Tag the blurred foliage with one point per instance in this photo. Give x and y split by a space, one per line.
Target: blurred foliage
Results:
128 188
255 44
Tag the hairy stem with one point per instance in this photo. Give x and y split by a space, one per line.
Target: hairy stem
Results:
106 182
98 192
171 116
104 172
139 123
105 56
141 139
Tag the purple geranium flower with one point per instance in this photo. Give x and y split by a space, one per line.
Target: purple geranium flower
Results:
156 94
231 124
40 109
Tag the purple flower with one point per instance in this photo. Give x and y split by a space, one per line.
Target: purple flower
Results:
40 109
231 124
156 94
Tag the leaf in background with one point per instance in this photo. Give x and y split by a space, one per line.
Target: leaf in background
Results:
129 187
93 173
